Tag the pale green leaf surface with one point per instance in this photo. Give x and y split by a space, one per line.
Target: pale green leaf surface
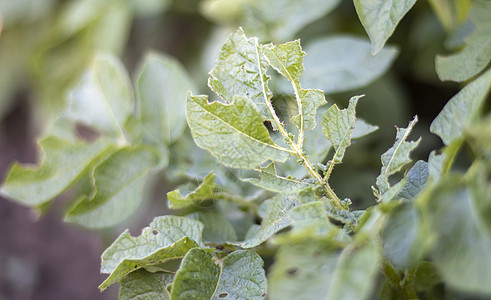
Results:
234 133
380 18
304 271
241 71
416 179
394 159
287 59
403 235
476 54
269 180
142 285
61 164
162 232
462 110
242 277
280 20
163 84
435 165
166 238
362 128
275 219
103 99
118 184
205 191
356 272
149 8
197 278
337 126
342 63
451 213
217 229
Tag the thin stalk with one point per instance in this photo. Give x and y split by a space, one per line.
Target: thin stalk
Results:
296 149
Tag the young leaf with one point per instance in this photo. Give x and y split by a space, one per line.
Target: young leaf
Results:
476 54
62 162
380 18
287 59
462 110
197 277
415 181
118 184
450 210
269 180
104 97
275 219
166 238
205 191
337 126
162 86
241 71
144 285
348 66
240 276
234 132
394 159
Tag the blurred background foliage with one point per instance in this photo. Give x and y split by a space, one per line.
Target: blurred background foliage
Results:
45 46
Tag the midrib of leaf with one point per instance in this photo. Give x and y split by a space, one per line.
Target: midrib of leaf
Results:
297 152
406 134
331 165
295 86
242 133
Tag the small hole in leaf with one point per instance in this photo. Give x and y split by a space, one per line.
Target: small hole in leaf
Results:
263 295
292 271
155 232
136 266
222 295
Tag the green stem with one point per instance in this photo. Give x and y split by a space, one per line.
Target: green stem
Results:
296 149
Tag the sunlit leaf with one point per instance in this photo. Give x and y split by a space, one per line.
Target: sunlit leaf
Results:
380 18
234 132
205 191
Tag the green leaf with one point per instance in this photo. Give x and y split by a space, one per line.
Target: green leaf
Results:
380 18
103 99
394 159
346 66
241 71
118 183
450 13
162 88
451 210
319 271
61 163
462 110
403 236
337 126
280 20
415 181
166 238
197 278
269 180
205 191
149 8
240 276
275 219
476 54
217 228
142 285
287 59
234 133
362 128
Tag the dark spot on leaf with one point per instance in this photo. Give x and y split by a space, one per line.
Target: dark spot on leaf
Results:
292 271
136 266
86 133
263 295
155 232
222 295
219 247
